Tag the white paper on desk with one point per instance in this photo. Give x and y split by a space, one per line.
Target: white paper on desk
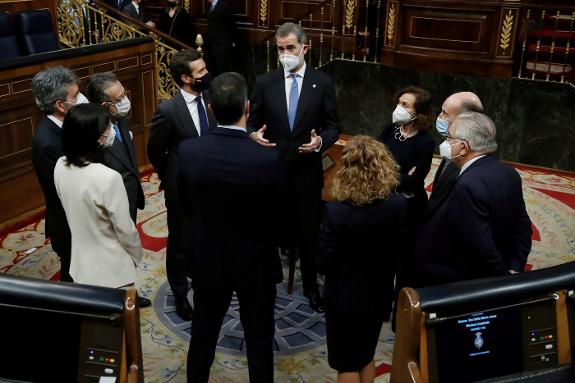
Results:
107 379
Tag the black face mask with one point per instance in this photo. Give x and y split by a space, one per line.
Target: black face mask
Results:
172 4
202 83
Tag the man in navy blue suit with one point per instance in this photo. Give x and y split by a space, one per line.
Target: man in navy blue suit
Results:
483 228
295 111
229 187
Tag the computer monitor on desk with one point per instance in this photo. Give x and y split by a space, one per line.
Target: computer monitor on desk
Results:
512 329
63 332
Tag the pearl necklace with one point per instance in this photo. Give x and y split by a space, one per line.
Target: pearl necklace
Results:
399 135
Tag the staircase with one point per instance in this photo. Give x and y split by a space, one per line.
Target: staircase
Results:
549 46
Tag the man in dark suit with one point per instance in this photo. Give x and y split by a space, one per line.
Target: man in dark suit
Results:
118 4
223 176
183 116
447 172
222 37
135 9
56 91
483 228
105 89
294 110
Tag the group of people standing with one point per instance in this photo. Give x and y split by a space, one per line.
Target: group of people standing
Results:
243 176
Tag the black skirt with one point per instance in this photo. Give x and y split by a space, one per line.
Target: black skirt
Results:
351 338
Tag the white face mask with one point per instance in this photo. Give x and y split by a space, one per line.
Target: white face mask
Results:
110 138
401 115
445 150
290 62
123 107
81 99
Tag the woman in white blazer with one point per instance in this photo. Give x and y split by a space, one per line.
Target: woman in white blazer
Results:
106 247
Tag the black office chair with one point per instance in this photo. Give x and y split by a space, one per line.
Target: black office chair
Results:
36 31
8 43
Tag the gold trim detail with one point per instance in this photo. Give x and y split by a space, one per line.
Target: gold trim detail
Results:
349 12
506 28
263 12
391 23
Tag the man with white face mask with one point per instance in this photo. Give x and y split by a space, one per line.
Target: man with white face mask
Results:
483 228
447 172
105 89
56 91
294 111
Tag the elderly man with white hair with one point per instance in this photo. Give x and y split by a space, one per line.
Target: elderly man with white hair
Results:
483 228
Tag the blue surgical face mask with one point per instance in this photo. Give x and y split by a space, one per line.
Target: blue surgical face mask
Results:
442 126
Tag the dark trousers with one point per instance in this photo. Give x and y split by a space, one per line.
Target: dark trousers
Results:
177 263
305 221
62 245
256 316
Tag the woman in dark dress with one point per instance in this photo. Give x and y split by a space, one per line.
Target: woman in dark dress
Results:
175 21
358 237
412 147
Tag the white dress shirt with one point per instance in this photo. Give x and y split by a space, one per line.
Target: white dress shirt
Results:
193 108
468 163
55 120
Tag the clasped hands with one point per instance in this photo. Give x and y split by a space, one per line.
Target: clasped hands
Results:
312 146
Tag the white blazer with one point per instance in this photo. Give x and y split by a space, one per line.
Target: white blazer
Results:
105 244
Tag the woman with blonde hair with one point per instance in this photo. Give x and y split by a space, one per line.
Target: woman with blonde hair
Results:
358 237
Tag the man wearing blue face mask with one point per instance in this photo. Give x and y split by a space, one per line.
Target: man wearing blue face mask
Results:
447 172
105 89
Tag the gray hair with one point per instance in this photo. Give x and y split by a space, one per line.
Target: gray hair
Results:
287 28
478 130
97 86
51 85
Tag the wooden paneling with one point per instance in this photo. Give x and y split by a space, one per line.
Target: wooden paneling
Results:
19 189
451 36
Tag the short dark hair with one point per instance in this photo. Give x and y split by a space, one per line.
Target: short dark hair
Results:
97 86
228 96
82 128
422 106
179 64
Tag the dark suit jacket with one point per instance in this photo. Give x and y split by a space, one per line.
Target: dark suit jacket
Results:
229 185
131 11
114 3
317 109
357 252
222 30
171 124
122 158
481 230
442 187
46 149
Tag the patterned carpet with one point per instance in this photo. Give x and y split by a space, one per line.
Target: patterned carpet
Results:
300 351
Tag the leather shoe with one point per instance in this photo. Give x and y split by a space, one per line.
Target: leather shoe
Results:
316 302
143 302
184 310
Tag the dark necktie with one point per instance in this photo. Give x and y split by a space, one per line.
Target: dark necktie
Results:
118 134
204 130
293 99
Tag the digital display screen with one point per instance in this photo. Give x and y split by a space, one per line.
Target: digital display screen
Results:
478 346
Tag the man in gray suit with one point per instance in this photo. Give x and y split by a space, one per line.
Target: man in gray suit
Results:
185 115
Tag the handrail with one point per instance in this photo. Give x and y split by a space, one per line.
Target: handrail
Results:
165 37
